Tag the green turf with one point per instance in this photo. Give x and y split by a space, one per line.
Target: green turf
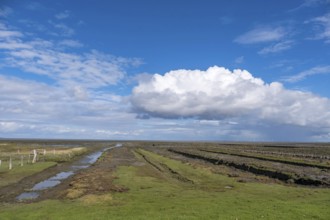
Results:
157 196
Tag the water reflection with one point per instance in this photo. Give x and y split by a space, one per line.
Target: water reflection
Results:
27 196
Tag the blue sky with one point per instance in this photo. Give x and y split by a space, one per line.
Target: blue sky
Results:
165 70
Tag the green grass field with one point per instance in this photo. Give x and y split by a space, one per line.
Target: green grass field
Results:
156 196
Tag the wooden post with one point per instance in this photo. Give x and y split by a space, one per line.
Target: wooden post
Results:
21 160
0 163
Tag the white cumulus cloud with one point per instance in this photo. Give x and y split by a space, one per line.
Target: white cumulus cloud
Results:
219 93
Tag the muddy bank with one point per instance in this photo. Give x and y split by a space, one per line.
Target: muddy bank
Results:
96 179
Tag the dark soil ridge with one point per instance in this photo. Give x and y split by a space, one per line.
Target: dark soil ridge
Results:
175 174
149 161
165 169
280 146
252 169
269 159
299 155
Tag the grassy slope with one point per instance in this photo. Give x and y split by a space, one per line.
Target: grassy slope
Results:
155 196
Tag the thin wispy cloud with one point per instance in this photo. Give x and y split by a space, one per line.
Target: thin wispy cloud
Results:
62 29
277 47
33 25
310 72
310 3
34 6
92 69
239 60
70 43
74 101
226 20
6 34
261 35
323 27
63 15
5 11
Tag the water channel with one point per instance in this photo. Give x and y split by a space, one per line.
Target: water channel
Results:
53 181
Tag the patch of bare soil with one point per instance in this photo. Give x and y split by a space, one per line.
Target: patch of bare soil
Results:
95 180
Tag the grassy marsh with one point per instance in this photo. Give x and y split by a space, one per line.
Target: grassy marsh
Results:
158 194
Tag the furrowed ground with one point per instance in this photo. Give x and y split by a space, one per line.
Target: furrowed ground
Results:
190 181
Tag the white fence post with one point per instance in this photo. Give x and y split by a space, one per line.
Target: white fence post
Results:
34 156
10 164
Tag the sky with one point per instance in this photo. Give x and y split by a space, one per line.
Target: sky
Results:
210 70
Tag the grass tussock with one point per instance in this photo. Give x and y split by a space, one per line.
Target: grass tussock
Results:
93 199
